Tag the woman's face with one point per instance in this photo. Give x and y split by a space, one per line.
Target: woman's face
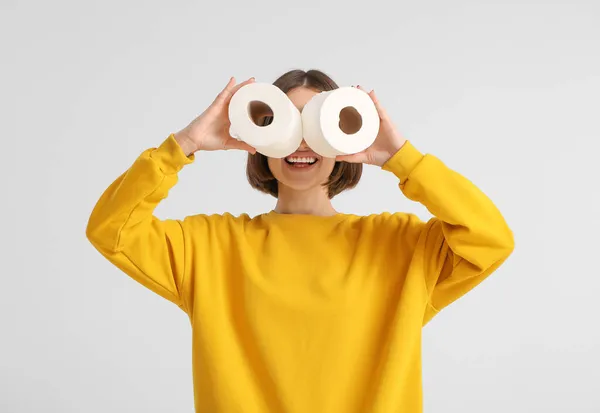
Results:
304 169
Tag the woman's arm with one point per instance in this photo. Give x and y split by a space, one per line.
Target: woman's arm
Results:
122 226
468 238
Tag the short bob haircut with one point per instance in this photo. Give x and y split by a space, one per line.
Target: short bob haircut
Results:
344 175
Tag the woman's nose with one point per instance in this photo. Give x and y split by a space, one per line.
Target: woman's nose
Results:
303 145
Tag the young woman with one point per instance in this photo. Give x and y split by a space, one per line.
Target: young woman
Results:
303 309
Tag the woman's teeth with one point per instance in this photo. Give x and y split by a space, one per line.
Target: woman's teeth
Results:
301 160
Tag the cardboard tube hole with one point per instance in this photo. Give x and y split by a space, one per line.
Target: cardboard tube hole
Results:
260 113
350 120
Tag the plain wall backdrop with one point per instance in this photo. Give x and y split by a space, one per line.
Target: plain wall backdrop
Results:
505 92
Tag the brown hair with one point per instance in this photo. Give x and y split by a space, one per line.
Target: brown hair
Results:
344 175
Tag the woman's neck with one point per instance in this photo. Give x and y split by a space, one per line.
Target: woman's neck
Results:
313 201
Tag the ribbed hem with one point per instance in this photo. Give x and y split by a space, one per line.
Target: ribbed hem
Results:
170 157
403 162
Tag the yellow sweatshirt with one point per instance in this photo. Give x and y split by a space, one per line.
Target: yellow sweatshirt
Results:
300 313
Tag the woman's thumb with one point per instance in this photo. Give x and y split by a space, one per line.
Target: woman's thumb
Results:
241 145
354 158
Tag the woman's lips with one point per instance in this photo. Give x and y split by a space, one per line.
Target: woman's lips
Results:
300 161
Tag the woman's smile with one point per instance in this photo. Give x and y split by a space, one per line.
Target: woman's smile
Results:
302 160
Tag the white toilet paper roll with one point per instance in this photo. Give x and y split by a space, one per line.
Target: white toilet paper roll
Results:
278 139
340 122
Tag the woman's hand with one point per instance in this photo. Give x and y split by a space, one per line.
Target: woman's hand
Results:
388 141
210 130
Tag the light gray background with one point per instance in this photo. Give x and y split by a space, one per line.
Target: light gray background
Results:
505 92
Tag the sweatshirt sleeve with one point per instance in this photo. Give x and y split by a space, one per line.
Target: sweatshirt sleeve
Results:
122 226
468 237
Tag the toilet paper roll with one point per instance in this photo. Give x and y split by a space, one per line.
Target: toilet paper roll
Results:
250 104
343 121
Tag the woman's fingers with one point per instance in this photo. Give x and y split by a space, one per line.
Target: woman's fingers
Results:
226 91
236 88
380 109
375 99
378 106
230 90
